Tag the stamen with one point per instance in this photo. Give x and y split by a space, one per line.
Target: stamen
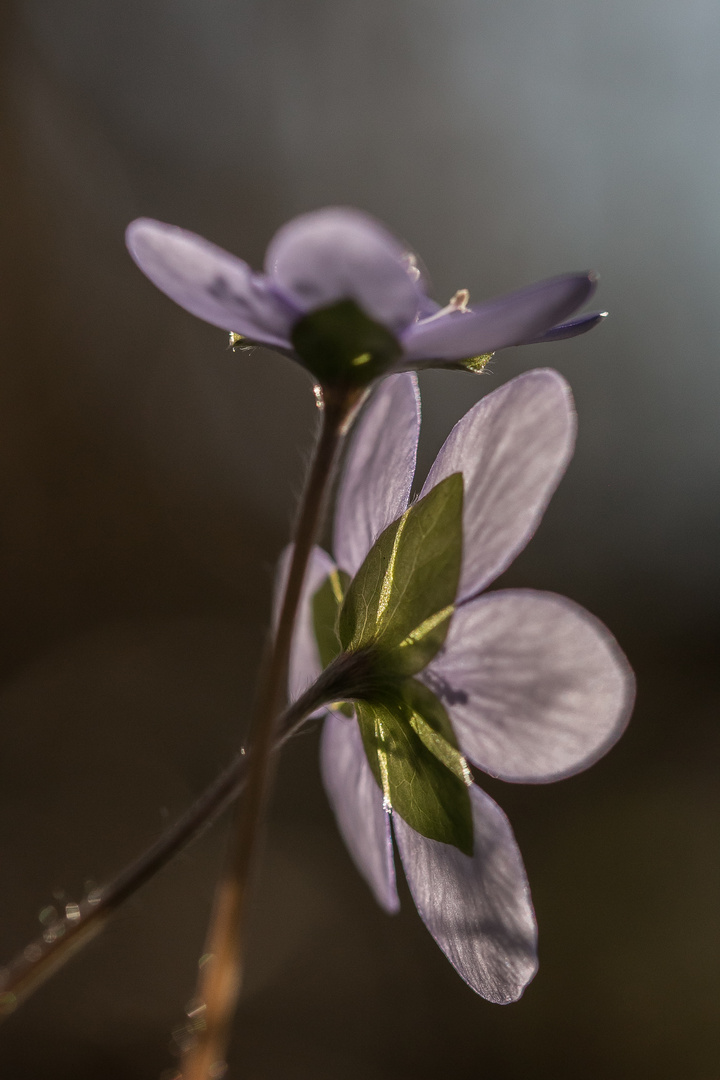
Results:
459 302
411 266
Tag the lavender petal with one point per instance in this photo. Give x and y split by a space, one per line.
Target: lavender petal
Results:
357 801
536 688
570 329
512 447
477 908
378 473
210 283
509 320
305 666
338 254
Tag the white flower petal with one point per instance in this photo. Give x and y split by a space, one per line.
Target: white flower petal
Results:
535 686
305 666
379 469
336 254
509 320
357 802
478 909
512 448
209 282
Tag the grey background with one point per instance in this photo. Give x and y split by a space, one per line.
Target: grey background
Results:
148 479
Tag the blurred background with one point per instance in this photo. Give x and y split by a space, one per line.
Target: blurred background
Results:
148 479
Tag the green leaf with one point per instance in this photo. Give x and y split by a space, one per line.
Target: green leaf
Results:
325 608
431 723
340 344
400 602
412 752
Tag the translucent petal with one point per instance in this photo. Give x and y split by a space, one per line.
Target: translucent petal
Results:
337 254
508 320
570 329
305 666
535 686
379 469
512 448
209 282
357 801
477 908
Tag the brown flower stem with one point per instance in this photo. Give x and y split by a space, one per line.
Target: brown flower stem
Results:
82 922
222 966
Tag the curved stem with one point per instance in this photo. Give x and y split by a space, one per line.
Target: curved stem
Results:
222 967
84 921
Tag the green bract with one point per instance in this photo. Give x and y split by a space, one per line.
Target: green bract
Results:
475 364
400 601
339 344
326 604
396 613
325 607
412 752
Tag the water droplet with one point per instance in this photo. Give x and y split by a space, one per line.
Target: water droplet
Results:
94 896
48 915
72 911
49 937
33 953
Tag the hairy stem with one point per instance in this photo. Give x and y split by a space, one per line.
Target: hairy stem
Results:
222 967
82 922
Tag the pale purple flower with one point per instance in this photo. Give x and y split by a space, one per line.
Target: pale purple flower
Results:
338 254
536 688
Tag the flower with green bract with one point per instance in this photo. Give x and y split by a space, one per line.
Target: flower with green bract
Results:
345 298
525 685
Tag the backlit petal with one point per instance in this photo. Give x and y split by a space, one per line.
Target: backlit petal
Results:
357 801
570 329
478 909
379 470
509 320
305 666
209 282
512 448
337 254
536 687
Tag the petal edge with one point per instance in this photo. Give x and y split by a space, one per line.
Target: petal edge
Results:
357 803
478 909
536 687
209 282
512 448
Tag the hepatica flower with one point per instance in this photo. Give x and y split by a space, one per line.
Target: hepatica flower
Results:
524 685
344 297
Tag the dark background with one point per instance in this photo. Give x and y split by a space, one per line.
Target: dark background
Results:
148 478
